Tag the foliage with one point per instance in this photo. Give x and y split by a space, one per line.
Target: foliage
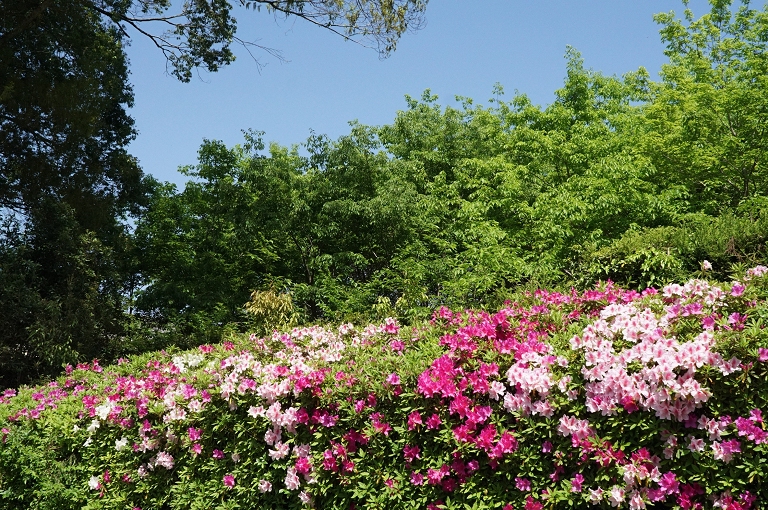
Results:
619 178
69 191
460 206
609 397
66 185
270 309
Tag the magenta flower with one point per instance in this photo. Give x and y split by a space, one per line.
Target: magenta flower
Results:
762 354
411 453
669 484
229 481
414 418
347 466
532 504
434 476
218 454
194 434
434 421
576 482
379 425
303 465
522 484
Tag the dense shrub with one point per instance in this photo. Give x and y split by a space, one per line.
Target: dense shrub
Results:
609 397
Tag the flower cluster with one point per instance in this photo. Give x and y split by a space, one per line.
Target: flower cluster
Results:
608 397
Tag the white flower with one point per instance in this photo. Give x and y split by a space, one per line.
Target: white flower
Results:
190 360
88 442
103 411
94 483
95 424
75 428
235 458
121 443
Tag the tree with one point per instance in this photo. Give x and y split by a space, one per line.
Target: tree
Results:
66 183
706 122
204 249
68 188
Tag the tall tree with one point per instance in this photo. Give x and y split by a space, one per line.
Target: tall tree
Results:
67 184
706 122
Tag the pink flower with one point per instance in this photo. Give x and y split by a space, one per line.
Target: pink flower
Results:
737 289
434 421
280 451
411 453
218 454
379 425
265 486
669 484
616 496
291 479
737 320
415 418
696 445
391 326
434 476
762 354
393 379
197 449
523 484
303 465
576 482
229 481
532 504
165 460
636 502
194 434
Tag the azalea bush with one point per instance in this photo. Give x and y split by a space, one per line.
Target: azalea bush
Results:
609 397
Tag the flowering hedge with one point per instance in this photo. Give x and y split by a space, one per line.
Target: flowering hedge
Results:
610 397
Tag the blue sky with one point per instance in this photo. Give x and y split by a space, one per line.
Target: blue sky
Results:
465 47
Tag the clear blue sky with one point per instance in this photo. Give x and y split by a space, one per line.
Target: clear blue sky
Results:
465 48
